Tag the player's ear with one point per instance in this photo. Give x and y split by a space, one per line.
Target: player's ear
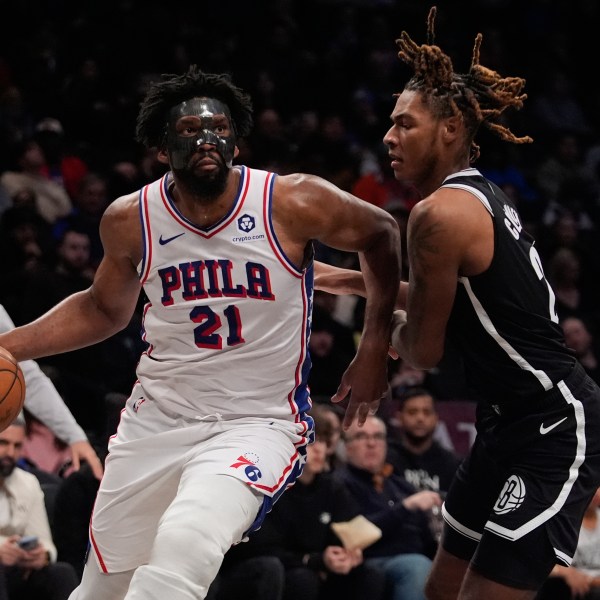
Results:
162 156
453 126
236 152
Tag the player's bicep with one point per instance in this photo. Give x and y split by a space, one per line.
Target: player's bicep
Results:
319 210
354 225
434 260
116 284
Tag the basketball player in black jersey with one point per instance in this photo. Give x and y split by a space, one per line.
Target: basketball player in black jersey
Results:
516 504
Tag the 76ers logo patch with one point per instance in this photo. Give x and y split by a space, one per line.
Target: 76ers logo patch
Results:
248 462
511 496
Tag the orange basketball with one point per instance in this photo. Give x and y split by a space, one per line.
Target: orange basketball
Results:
12 388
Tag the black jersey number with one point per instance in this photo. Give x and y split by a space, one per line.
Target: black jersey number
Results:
207 335
536 261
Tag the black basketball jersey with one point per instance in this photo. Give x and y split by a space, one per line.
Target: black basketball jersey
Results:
503 321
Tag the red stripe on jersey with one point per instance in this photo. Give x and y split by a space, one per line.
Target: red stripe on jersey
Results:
147 234
267 207
207 233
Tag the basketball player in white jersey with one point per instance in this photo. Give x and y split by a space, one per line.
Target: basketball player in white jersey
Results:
216 426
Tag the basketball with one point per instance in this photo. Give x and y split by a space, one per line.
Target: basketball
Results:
12 389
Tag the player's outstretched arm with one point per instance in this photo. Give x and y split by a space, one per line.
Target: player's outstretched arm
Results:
340 281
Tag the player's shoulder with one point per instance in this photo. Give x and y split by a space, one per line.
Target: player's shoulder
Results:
298 183
123 208
449 204
120 226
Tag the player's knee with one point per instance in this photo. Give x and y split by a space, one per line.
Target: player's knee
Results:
200 527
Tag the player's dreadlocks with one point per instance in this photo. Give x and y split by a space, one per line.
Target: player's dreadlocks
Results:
481 95
174 89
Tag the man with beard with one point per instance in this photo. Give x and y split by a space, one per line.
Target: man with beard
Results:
414 453
27 571
216 427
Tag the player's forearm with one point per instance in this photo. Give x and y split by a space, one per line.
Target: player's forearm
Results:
380 266
336 280
74 323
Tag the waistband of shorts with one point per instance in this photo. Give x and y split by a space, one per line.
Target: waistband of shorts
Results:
553 398
573 381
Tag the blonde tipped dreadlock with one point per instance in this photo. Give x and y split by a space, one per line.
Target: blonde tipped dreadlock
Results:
481 95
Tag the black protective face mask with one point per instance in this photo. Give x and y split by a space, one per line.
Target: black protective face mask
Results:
181 148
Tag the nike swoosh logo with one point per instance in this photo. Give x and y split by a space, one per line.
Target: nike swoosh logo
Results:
545 430
162 241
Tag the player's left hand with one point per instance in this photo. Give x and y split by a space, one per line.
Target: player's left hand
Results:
365 380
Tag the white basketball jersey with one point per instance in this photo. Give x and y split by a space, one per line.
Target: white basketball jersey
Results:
228 316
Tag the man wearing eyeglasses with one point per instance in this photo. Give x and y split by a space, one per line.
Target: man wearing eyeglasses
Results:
407 545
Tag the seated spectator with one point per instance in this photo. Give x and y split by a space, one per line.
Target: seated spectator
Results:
89 204
25 244
414 453
579 337
28 572
28 172
91 372
63 165
333 414
582 579
43 450
317 566
575 294
408 544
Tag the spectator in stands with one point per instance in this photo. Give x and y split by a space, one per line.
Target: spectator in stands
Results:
408 544
28 171
91 372
556 108
575 295
579 337
563 163
89 204
324 410
317 565
25 244
62 165
414 453
29 572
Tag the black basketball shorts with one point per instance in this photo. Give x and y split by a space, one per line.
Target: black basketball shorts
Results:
516 504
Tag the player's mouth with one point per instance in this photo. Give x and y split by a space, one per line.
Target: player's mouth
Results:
396 162
206 163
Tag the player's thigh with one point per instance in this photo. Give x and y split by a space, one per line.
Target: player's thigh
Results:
264 455
446 576
140 480
476 587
